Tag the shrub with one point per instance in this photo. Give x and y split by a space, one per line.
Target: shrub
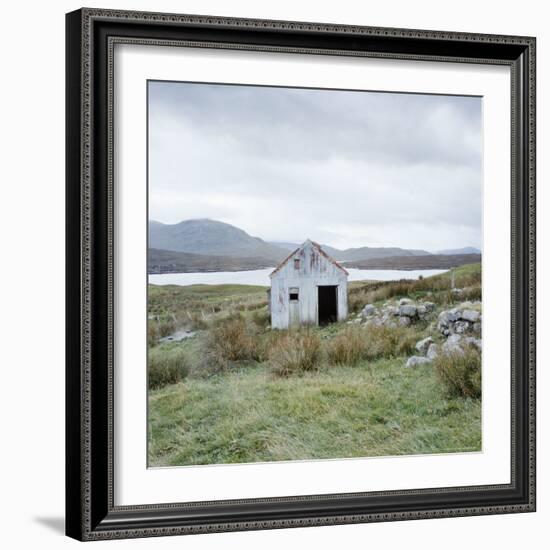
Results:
152 334
384 341
261 318
348 347
472 293
232 340
159 328
295 352
197 320
460 373
166 327
166 366
443 298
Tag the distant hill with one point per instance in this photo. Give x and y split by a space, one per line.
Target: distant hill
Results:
432 261
357 254
211 245
455 251
211 238
368 252
170 261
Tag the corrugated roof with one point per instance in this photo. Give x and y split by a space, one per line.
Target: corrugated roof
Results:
319 249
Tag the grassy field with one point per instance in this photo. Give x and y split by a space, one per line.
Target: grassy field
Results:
239 392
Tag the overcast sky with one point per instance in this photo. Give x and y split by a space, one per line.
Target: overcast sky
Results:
342 168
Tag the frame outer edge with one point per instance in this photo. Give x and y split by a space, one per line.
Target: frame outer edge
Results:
532 250
74 496
79 205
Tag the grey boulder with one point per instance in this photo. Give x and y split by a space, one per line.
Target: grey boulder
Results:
415 361
422 346
432 352
407 310
470 315
368 310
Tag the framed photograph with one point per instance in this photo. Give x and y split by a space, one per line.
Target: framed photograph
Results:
300 274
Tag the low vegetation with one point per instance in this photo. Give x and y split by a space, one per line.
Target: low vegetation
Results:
240 392
460 373
295 352
167 366
348 347
437 289
432 261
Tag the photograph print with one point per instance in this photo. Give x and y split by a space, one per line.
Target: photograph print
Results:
314 274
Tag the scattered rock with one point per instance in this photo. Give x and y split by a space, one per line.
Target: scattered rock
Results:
433 351
415 360
460 327
452 345
392 315
404 321
449 316
470 315
422 346
460 320
456 343
368 310
407 310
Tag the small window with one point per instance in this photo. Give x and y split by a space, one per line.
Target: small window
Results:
296 263
293 296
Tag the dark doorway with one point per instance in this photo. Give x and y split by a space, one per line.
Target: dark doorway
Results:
328 312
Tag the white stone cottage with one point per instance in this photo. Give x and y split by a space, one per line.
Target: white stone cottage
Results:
308 288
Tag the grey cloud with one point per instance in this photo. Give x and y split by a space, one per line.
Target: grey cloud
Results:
293 163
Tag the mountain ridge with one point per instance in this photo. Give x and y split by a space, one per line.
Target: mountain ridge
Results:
212 238
208 237
458 251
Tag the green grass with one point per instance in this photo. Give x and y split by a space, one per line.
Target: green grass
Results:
197 306
372 409
240 392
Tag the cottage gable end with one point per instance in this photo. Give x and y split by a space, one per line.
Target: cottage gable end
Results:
308 287
309 257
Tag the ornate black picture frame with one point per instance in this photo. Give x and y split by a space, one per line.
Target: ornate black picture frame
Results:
90 509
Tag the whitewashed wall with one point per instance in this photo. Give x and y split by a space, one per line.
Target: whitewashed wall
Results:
315 270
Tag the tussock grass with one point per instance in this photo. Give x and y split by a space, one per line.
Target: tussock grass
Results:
166 366
295 352
384 341
261 318
348 347
232 340
460 373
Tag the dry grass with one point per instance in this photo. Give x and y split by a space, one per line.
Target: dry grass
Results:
166 366
384 341
460 373
232 340
295 352
347 347
467 277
